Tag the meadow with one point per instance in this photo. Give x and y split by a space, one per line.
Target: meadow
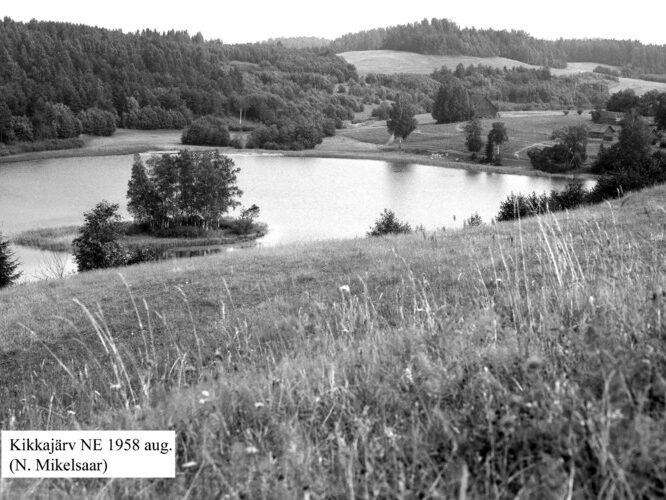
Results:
519 360
524 129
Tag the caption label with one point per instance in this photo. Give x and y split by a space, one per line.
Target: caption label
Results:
70 454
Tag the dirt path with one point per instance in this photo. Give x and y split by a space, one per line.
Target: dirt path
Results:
530 146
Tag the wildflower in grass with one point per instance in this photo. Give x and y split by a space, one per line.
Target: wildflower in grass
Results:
344 289
251 450
258 405
407 375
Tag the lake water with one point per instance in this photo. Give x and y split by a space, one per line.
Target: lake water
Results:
301 199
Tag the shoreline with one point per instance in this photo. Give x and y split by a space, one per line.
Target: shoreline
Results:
128 142
58 239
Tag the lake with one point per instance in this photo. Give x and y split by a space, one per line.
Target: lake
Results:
301 199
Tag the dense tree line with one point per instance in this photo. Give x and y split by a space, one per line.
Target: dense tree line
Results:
443 37
152 80
300 42
523 85
445 93
632 56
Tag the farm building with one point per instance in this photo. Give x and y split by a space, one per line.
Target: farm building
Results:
603 132
482 106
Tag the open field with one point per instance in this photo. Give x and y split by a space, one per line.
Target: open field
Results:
516 360
392 61
525 130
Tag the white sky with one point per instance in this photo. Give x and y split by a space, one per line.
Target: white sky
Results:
255 20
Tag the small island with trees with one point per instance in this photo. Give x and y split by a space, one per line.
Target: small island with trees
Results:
180 204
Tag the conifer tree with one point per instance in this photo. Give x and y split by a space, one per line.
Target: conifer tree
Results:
8 265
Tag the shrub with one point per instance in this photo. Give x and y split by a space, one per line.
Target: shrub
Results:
388 223
381 112
22 127
571 197
96 121
236 143
97 246
246 220
520 206
207 131
139 255
549 159
474 220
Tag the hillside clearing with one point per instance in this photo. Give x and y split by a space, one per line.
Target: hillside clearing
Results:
392 61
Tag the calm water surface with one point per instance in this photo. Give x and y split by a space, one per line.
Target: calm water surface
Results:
301 199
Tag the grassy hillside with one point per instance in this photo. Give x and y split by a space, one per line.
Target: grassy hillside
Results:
525 130
518 360
392 61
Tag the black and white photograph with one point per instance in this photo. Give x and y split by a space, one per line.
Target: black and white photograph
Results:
332 250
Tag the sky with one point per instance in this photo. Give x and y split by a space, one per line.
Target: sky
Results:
255 20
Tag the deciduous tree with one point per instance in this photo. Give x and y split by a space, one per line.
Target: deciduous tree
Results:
496 137
452 102
173 190
97 245
401 121
473 139
574 141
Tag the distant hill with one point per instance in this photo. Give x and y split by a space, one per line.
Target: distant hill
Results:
443 37
393 62
51 72
299 42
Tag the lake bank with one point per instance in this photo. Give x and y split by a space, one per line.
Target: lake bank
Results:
59 239
127 142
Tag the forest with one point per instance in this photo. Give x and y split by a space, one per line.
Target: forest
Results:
443 37
59 79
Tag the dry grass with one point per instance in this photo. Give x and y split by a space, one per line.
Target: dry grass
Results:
522 360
